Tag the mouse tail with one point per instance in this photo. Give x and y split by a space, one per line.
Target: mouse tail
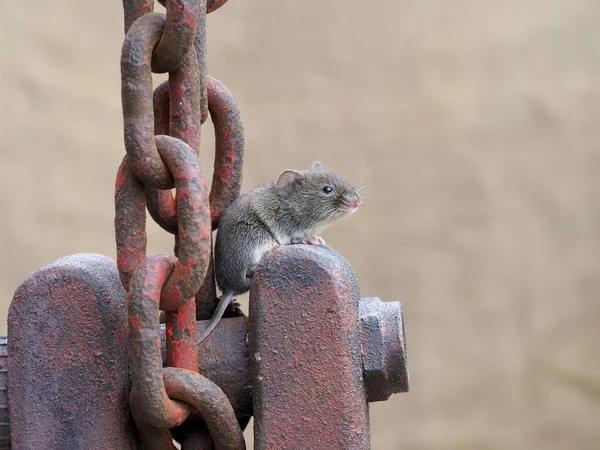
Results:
216 318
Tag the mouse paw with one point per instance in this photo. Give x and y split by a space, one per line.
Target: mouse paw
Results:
320 240
313 240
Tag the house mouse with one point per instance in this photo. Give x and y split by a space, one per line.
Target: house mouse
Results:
290 209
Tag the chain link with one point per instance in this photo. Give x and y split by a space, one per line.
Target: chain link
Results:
229 154
136 97
162 141
178 35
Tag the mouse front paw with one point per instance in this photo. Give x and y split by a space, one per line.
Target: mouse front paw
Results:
313 240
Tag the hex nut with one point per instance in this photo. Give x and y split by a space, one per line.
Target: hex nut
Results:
385 362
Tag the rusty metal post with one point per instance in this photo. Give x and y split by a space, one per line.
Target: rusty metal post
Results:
323 296
68 382
69 371
305 347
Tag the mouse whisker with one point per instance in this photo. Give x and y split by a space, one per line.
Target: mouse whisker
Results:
363 178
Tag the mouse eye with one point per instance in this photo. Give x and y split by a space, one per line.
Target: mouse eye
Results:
328 189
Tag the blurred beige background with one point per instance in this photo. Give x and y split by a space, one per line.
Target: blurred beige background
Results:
479 123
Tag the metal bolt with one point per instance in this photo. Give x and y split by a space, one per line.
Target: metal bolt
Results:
385 361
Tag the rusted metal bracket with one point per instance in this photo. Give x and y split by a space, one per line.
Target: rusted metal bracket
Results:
68 379
305 364
319 352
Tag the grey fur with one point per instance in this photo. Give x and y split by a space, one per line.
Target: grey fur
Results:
285 210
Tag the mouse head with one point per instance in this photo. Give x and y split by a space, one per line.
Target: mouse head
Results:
317 194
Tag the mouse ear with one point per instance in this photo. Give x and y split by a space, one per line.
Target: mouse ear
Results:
317 165
287 180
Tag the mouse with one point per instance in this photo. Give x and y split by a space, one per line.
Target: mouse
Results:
293 208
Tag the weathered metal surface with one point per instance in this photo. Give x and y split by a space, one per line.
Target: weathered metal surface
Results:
67 351
130 222
193 223
136 98
193 436
162 140
133 9
210 403
229 151
227 178
227 175
160 101
223 359
200 48
181 337
154 392
385 361
193 220
152 421
206 298
305 347
4 412
213 5
184 99
162 208
148 399
178 36
229 148
175 115
161 204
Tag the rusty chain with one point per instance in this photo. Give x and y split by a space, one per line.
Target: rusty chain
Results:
162 141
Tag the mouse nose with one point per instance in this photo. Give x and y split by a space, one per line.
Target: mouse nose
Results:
355 202
352 200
